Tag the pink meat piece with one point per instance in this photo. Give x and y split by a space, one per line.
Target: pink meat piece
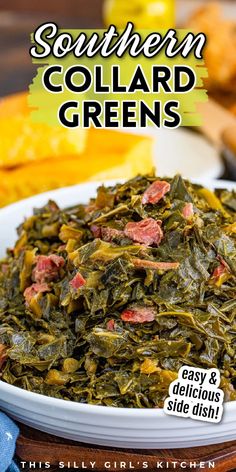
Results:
105 233
108 234
47 268
139 314
77 281
145 264
155 192
147 231
111 325
218 271
187 211
31 291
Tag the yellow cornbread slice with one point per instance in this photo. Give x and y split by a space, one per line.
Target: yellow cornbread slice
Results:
23 141
108 154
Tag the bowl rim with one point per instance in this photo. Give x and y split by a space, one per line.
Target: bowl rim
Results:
86 407
97 410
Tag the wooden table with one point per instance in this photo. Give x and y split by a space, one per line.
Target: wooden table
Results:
36 446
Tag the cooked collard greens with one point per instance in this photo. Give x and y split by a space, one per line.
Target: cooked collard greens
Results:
103 303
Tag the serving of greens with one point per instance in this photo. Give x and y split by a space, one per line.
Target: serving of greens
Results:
103 303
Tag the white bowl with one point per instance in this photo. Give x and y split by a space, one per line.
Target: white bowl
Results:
107 426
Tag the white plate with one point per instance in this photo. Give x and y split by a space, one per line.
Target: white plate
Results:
119 427
183 151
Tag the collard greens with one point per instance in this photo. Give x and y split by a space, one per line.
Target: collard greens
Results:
103 303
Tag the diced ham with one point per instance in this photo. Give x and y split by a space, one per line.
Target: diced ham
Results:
105 233
219 271
31 291
77 281
111 325
109 234
96 230
220 275
47 268
3 354
155 192
187 211
43 261
147 231
139 314
145 264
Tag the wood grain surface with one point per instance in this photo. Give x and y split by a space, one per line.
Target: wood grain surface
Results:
39 447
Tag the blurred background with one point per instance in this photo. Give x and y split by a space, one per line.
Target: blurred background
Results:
194 153
19 18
